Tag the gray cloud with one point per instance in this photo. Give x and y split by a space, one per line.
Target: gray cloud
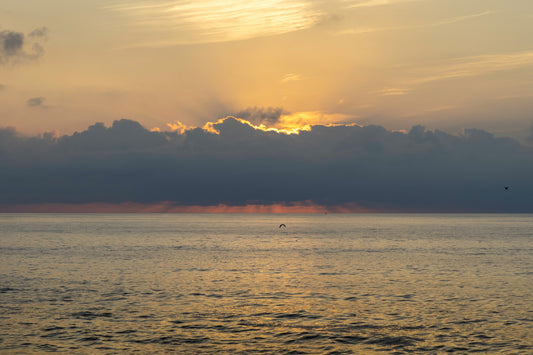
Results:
261 115
36 102
12 42
14 47
372 167
530 137
39 33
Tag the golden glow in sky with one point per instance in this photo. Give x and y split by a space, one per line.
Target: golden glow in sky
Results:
177 64
287 124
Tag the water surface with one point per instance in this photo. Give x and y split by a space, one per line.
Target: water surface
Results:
207 283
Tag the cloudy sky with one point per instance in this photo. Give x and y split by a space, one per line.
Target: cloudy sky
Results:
177 67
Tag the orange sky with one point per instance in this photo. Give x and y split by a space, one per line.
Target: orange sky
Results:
448 64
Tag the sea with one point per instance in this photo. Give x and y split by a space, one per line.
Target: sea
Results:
241 284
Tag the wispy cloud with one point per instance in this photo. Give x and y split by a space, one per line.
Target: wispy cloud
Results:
36 102
458 68
290 77
392 91
39 33
442 22
477 65
218 20
372 3
456 19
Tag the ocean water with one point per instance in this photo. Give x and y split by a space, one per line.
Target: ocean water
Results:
239 284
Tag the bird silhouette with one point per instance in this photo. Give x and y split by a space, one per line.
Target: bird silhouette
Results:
282 225
506 187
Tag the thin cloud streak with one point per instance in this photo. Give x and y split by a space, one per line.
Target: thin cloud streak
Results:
218 21
392 92
373 3
458 68
443 22
290 77
456 19
478 65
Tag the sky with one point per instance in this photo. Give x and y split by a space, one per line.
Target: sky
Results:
277 76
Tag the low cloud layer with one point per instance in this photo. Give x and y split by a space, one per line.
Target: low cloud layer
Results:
369 168
16 47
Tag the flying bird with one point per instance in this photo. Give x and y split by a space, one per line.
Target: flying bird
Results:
506 187
282 225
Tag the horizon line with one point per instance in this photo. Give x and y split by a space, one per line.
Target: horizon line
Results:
167 207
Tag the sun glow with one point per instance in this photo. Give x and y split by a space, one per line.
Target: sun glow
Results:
211 127
179 127
286 124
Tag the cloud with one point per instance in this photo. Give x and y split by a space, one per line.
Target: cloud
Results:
329 166
277 120
39 33
36 102
456 19
393 91
478 65
15 48
443 22
459 68
207 21
176 126
261 115
12 42
2 87
290 77
372 3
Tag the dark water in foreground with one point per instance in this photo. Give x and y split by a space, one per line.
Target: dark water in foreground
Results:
340 284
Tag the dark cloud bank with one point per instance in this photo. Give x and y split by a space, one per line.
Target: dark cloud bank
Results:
425 171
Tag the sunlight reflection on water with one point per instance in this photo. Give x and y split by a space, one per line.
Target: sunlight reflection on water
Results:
240 284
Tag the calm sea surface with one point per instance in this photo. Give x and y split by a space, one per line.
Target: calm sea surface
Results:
208 283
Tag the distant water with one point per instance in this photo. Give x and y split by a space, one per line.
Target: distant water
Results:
337 284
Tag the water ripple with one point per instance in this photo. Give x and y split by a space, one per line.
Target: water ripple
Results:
200 284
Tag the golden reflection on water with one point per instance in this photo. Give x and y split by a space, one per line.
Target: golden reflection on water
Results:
237 284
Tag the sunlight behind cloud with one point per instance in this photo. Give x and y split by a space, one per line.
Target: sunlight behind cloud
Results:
204 21
302 121
288 123
179 127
